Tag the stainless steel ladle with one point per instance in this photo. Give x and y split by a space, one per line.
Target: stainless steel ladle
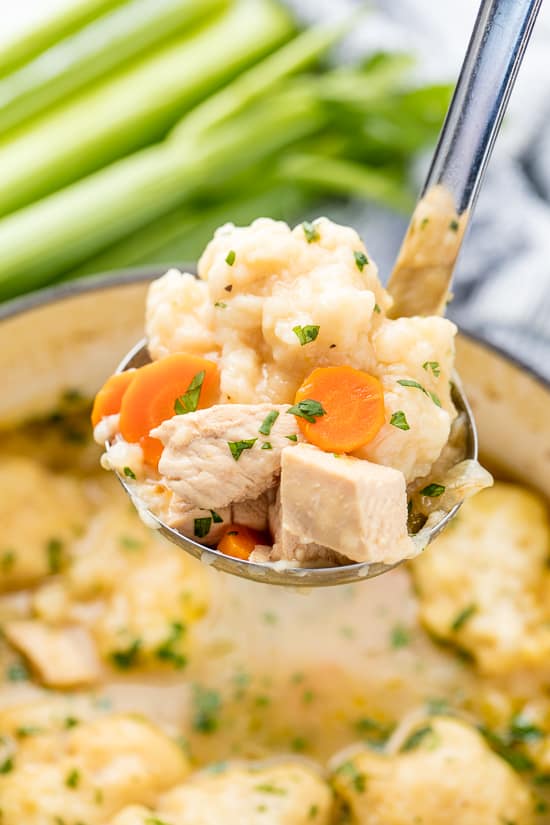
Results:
422 275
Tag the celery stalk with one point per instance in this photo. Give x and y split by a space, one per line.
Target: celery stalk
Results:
52 27
59 232
90 53
137 105
344 177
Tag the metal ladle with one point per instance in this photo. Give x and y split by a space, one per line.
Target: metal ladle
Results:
422 275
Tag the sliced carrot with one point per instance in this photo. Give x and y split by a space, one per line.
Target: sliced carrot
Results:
239 541
351 408
109 398
177 383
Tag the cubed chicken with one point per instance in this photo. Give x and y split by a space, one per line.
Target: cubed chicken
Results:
61 656
348 505
225 454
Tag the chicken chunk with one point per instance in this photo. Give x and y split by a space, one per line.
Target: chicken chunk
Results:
285 794
485 585
90 772
345 504
444 773
62 657
215 457
40 513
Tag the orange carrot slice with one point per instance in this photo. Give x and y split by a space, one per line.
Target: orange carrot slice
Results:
176 384
109 398
239 541
339 409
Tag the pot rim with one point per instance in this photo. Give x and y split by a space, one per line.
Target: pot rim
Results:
130 275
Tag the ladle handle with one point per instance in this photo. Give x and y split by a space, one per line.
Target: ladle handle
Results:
495 51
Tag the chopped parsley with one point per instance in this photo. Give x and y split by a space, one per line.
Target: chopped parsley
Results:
268 422
399 420
72 779
418 737
424 222
24 731
375 732
202 526
437 706
453 226
399 637
238 447
7 560
189 401
313 811
54 550
266 446
307 334
433 490
130 542
269 617
408 382
292 437
433 367
166 652
462 617
230 257
217 519
126 658
523 730
377 309
207 706
220 305
7 765
298 744
310 231
273 789
308 409
356 778
70 722
501 745
129 473
361 260
17 672
154 820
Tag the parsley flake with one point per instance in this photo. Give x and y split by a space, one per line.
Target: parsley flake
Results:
202 526
220 305
54 550
400 637
408 382
357 779
230 257
424 222
433 490
310 231
266 446
399 420
238 447
72 779
125 659
361 260
189 401
308 409
377 309
453 226
273 789
17 672
217 519
268 422
129 473
306 334
418 737
7 765
462 617
207 706
292 437
432 366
